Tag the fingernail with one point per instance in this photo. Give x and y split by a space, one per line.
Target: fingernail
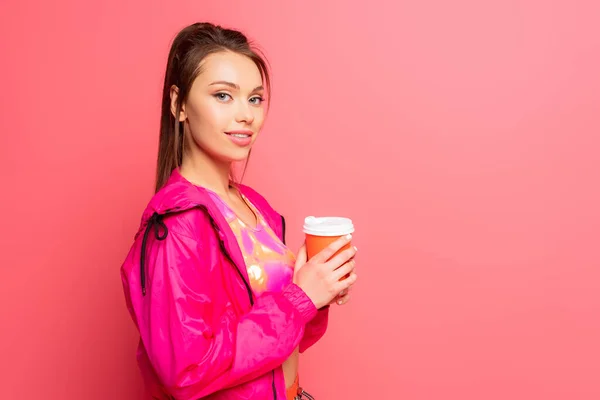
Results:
355 248
349 236
339 302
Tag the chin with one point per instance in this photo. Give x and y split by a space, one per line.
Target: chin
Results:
237 156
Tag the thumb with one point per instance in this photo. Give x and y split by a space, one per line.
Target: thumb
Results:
301 259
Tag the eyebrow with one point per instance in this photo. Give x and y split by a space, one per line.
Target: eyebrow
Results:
233 85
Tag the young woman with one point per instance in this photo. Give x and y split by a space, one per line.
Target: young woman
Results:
223 307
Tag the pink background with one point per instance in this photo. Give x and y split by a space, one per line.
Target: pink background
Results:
462 137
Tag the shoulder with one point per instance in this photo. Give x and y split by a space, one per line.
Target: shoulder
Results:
193 223
182 207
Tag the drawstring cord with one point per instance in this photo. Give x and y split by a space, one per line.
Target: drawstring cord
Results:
156 222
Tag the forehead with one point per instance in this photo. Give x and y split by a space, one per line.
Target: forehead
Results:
231 67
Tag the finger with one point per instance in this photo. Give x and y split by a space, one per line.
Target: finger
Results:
343 270
330 250
339 296
346 283
343 300
342 258
301 258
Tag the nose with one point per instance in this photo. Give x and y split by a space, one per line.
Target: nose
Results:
244 113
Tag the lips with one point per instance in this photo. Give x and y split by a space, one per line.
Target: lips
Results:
241 138
240 134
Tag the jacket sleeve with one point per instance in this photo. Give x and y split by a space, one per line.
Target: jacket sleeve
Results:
197 349
315 329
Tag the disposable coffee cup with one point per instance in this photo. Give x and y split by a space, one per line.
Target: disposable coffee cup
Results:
322 231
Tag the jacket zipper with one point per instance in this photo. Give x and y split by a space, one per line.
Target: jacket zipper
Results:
274 390
248 290
282 229
283 241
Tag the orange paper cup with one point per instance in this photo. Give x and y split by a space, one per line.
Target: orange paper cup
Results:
322 231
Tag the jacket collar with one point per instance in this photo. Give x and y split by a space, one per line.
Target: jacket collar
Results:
179 194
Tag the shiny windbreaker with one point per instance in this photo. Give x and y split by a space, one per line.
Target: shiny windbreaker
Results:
203 333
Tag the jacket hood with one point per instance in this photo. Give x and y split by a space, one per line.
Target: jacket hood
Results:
179 195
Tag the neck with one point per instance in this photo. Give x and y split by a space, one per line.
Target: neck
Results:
202 170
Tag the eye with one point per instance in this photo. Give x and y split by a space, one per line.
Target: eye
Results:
222 96
256 100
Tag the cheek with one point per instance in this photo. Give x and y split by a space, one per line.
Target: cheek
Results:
259 117
209 117
219 115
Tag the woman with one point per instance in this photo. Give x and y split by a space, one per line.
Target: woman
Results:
222 306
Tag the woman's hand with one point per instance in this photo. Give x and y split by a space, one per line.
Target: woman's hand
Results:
322 277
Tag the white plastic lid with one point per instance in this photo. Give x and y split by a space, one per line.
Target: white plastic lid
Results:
328 226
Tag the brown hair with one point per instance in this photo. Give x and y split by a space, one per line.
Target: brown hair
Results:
191 45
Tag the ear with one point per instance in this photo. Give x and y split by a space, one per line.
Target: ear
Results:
174 93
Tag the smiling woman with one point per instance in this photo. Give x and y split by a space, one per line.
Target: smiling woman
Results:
223 307
221 65
223 111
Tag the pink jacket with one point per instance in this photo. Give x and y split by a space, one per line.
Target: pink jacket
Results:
203 333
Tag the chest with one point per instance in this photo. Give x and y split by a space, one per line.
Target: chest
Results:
269 263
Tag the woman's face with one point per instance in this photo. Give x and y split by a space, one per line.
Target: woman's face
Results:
224 111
